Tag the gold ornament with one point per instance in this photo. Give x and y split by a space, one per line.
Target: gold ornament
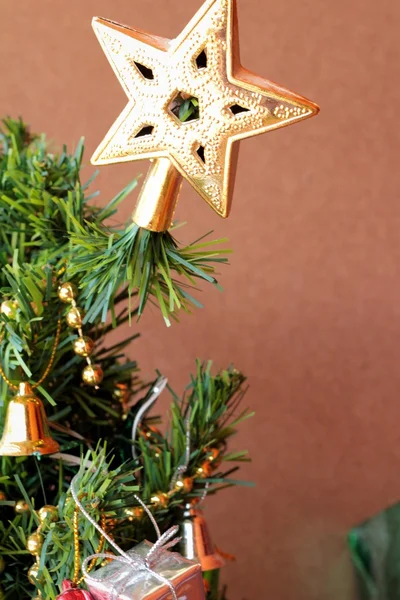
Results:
213 454
205 470
48 513
74 318
196 543
26 431
21 507
122 394
150 432
3 496
33 574
67 292
9 309
134 513
92 375
156 74
34 543
160 499
184 484
2 564
83 346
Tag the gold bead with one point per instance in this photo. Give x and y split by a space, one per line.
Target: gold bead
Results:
205 470
74 318
2 564
9 309
213 454
33 574
92 375
136 512
48 513
160 499
121 392
3 496
21 507
184 484
83 346
67 292
150 432
34 543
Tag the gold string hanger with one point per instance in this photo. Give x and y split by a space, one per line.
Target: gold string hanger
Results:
77 557
47 370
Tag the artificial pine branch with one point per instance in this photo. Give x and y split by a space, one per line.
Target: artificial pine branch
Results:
104 490
212 401
43 192
149 262
44 211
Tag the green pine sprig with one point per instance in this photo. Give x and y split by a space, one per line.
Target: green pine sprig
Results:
153 264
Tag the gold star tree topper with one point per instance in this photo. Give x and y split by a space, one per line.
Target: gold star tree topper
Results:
201 63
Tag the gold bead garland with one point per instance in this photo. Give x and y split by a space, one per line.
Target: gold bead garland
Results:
121 393
83 346
184 484
46 514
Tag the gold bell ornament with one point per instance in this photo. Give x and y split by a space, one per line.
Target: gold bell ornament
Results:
196 543
26 430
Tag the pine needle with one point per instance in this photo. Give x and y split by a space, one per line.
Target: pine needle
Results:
150 263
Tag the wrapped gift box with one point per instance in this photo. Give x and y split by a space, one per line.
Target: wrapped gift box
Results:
123 582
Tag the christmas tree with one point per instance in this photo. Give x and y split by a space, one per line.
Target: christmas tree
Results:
94 492
54 350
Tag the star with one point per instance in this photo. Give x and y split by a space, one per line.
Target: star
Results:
203 63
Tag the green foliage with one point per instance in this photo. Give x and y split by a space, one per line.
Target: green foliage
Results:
103 490
209 410
42 192
50 233
375 552
152 263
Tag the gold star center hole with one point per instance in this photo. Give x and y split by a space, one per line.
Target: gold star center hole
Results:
185 107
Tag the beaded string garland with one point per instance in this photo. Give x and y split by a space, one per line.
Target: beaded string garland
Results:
83 345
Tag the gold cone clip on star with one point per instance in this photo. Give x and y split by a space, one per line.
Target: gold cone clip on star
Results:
202 63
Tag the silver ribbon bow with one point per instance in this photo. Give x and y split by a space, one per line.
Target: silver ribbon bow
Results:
138 564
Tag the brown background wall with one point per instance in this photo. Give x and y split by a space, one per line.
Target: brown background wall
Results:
311 308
